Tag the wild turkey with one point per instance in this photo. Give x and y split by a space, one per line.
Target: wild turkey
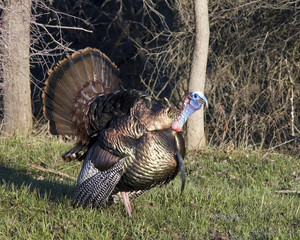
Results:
129 141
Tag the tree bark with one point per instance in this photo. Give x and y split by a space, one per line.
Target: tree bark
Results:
195 126
16 69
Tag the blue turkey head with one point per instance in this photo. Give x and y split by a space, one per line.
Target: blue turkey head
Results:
191 103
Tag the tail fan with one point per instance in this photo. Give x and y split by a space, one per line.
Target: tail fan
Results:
70 88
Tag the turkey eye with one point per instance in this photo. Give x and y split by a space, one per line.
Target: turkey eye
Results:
195 95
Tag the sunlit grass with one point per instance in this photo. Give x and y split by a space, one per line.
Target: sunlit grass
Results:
227 196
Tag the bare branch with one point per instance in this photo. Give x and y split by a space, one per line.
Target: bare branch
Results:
287 191
50 170
62 27
55 41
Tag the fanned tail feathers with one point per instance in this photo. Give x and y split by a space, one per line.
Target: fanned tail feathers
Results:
70 88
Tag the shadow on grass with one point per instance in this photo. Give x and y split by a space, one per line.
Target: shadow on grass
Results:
15 178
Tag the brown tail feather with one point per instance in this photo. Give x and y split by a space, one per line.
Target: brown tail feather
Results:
70 88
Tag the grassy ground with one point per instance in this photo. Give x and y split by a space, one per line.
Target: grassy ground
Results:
227 196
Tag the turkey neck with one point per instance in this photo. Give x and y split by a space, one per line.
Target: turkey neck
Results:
181 118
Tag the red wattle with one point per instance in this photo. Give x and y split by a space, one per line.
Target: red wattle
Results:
176 127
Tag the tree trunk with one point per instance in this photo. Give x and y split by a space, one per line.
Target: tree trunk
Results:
195 127
16 68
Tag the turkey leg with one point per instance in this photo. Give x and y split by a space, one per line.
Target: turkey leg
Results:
127 203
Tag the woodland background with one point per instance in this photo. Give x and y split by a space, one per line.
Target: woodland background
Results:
237 187
253 68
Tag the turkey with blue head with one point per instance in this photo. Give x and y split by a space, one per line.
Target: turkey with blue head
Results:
129 141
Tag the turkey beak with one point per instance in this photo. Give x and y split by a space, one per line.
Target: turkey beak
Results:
203 101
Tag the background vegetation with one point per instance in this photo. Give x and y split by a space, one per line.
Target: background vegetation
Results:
253 83
253 73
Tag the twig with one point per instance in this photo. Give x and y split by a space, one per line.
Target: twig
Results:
54 40
291 99
62 27
286 142
40 168
287 191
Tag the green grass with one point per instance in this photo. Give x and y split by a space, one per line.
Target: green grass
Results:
227 196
